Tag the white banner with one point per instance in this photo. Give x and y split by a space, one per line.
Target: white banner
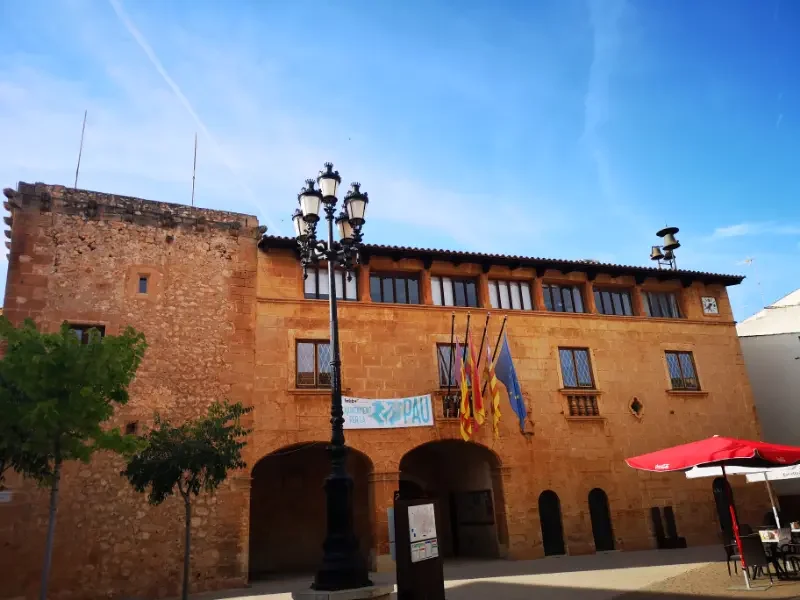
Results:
394 413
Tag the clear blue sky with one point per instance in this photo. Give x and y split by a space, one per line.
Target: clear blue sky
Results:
567 129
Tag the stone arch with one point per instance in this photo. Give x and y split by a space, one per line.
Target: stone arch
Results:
464 479
287 508
551 523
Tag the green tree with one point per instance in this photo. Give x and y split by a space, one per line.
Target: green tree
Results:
56 395
193 457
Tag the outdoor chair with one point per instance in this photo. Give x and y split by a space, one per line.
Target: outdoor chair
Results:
755 557
731 553
791 556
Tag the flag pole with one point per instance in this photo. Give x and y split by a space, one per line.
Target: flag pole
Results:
496 346
483 339
452 351
80 150
466 339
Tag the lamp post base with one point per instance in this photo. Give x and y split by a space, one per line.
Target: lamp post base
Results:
343 566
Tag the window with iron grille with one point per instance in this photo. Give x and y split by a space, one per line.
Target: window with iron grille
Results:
313 366
447 291
661 304
576 368
613 302
451 403
402 289
316 285
83 332
682 372
563 298
514 295
448 374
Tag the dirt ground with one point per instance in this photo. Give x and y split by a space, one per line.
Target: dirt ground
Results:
712 581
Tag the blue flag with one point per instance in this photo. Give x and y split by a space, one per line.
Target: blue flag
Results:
504 369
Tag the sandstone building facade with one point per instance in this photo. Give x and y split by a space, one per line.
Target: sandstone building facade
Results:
613 361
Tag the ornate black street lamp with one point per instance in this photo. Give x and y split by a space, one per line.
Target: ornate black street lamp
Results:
343 566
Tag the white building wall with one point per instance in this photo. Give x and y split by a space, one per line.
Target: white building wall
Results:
773 365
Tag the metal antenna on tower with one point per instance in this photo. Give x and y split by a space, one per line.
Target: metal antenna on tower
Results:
80 151
194 165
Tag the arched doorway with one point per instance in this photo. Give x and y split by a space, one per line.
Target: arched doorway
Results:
601 520
464 479
550 520
287 508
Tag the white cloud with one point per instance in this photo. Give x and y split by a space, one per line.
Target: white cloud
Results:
754 228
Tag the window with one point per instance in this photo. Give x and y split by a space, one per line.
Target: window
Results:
576 369
454 292
131 428
83 331
661 304
316 285
515 295
447 365
613 302
142 284
563 298
402 289
682 373
451 403
313 364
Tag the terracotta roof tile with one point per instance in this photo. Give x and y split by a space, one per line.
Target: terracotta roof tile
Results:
528 261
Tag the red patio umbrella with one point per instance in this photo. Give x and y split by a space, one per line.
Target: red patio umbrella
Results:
718 451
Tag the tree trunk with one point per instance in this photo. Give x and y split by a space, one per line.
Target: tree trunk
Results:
51 530
186 547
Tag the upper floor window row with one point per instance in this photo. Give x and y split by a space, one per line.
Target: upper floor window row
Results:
316 285
405 288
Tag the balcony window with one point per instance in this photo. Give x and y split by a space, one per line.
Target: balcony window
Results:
576 368
682 372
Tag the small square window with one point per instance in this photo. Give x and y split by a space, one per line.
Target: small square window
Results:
83 332
132 428
143 280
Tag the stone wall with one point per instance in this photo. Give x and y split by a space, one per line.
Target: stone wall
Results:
77 256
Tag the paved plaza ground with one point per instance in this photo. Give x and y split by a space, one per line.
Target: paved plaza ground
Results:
651 575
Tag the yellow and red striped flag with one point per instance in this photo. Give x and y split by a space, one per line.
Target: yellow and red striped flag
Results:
494 393
475 380
464 409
